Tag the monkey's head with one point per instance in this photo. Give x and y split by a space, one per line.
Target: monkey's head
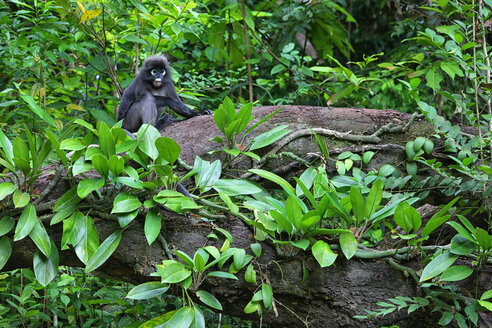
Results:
154 70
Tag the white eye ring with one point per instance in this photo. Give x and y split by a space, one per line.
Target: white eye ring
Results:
153 72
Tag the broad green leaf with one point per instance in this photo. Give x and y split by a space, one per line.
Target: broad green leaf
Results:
234 187
6 188
269 137
462 246
302 244
267 295
407 217
89 241
348 244
182 318
456 273
434 79
462 231
152 226
323 253
100 163
274 178
147 290
439 218
200 259
45 268
86 186
168 149
6 224
6 145
73 230
5 250
26 222
106 142
185 257
72 144
244 117
147 136
438 265
294 211
159 322
207 173
374 198
358 206
483 238
126 205
38 110
228 201
104 251
209 299
282 221
256 248
199 319
174 273
239 258
250 274
116 165
40 237
20 198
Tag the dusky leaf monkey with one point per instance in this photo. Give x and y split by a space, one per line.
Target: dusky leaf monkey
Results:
151 90
143 101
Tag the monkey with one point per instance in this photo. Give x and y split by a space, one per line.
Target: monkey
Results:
151 90
142 102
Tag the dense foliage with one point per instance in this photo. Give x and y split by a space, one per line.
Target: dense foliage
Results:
65 64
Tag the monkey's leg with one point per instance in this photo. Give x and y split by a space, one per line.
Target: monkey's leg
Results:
180 188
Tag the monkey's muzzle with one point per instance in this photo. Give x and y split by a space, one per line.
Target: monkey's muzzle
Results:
157 83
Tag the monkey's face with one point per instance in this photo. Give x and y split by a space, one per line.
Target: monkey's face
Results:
157 76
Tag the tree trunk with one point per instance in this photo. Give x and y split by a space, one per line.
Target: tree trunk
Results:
329 297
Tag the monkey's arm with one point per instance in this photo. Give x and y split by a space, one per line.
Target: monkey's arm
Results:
175 104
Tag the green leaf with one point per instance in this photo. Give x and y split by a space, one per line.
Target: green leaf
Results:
294 211
269 137
374 198
244 117
40 237
6 188
452 68
407 217
200 259
100 164
152 226
228 201
26 222
104 251
126 205
106 142
6 224
185 257
234 187
439 218
267 295
222 274
239 258
5 251
456 273
31 103
147 290
462 246
274 178
168 149
209 299
115 165
199 320
86 186
20 198
348 244
462 231
72 144
323 253
302 244
483 238
147 135
438 265
182 318
434 79
174 273
46 269
256 248
358 206
207 173
89 240
250 274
